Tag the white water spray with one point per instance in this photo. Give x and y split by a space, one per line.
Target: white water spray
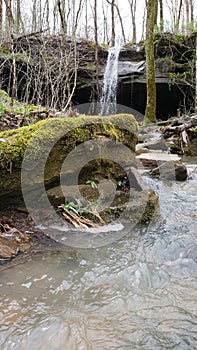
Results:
110 82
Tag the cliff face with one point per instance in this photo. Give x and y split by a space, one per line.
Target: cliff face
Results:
175 75
46 72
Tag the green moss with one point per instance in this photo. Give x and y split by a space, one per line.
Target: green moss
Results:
133 212
91 66
6 54
72 130
17 107
129 44
179 37
91 45
151 207
105 46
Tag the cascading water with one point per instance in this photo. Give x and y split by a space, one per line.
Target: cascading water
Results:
110 81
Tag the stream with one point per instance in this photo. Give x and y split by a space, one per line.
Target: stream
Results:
137 293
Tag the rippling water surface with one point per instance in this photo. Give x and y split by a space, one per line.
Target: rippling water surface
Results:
137 293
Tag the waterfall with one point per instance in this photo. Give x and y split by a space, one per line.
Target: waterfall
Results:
110 82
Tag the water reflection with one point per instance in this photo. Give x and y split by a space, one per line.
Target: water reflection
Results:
137 293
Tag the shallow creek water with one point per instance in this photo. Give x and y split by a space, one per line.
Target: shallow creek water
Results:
137 293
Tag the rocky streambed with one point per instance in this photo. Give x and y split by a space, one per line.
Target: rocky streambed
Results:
99 172
99 183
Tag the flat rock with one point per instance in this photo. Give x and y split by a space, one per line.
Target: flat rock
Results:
154 159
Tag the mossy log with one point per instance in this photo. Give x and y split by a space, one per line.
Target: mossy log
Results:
51 140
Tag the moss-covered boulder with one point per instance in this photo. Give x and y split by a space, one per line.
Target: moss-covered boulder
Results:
38 151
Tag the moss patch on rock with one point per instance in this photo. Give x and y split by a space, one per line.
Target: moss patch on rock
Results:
53 139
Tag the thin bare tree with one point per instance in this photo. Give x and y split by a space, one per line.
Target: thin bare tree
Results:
161 18
150 112
62 17
196 79
9 16
113 33
96 48
133 6
1 16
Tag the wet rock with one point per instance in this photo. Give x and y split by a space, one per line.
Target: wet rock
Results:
156 142
58 194
140 149
170 171
133 202
156 158
134 207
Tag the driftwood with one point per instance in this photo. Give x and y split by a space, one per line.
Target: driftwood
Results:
179 127
79 221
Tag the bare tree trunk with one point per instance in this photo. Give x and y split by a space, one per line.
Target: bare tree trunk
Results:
77 17
40 16
13 95
161 16
55 18
86 20
196 78
74 32
62 17
9 16
105 26
179 17
121 23
34 16
113 34
19 21
191 10
156 11
143 24
150 113
96 48
1 16
47 13
133 4
187 13
18 15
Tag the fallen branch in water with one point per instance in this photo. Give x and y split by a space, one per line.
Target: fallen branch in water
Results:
179 127
79 221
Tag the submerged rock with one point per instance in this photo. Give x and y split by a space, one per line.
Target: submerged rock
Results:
170 171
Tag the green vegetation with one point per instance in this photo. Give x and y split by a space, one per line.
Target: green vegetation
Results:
6 105
123 128
6 54
60 136
92 183
74 208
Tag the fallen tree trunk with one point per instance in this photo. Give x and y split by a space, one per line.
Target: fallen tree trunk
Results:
179 127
